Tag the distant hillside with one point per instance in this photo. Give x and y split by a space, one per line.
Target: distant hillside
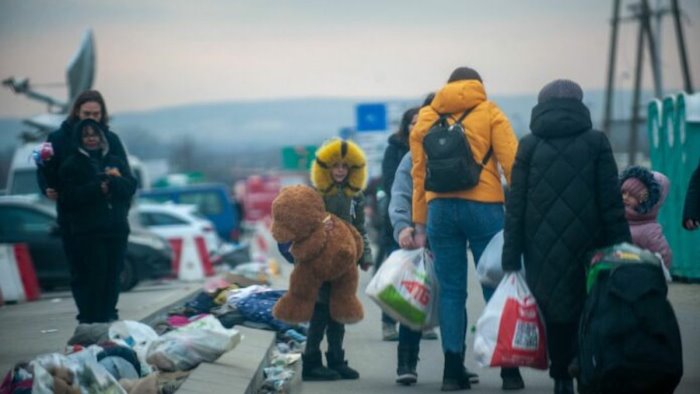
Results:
264 124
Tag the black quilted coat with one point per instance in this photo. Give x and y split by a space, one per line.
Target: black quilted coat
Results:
564 202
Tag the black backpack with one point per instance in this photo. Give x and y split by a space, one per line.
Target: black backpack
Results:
629 340
450 164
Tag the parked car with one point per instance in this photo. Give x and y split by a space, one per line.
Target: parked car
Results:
32 220
179 221
211 199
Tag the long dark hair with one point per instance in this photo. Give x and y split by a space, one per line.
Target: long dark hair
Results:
85 97
406 119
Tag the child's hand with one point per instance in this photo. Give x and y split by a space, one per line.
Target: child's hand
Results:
691 224
406 239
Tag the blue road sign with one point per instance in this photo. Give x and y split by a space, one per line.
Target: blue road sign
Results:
370 117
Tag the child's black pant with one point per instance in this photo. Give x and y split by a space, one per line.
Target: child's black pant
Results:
321 322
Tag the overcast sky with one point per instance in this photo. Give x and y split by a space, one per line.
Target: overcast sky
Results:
154 54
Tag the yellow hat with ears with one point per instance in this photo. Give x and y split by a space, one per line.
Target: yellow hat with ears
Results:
332 153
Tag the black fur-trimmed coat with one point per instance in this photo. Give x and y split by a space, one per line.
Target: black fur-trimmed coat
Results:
564 201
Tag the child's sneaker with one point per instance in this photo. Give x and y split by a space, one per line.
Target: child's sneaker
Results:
389 332
429 334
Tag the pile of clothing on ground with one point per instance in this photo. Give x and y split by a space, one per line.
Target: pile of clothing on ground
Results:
234 300
123 357
135 358
243 297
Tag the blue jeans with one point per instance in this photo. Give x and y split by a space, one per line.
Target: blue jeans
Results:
452 225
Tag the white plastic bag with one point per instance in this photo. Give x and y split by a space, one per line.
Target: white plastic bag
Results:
489 269
405 288
510 331
185 348
135 335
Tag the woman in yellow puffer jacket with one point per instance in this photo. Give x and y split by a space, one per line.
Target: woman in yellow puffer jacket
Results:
470 217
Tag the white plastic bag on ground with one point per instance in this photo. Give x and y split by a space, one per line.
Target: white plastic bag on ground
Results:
405 288
135 335
510 331
185 348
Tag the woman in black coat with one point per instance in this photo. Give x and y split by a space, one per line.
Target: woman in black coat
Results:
564 201
96 194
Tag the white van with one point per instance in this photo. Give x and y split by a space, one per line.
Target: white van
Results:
22 174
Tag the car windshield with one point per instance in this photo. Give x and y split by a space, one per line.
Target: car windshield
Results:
208 203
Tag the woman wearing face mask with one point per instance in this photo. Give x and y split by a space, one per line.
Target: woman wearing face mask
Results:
97 187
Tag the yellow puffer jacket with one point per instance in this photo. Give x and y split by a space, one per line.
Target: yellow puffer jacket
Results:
486 126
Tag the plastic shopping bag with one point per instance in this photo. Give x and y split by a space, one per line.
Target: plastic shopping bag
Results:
135 335
488 269
186 347
405 288
510 331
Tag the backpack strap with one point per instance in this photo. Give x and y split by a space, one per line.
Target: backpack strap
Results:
490 151
464 115
487 157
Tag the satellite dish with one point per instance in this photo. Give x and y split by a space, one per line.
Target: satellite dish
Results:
81 69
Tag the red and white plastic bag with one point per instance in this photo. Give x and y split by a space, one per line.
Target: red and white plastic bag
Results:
510 331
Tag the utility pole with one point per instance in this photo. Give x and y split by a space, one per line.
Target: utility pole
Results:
687 83
611 67
642 13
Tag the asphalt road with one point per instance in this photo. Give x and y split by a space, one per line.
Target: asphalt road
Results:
376 360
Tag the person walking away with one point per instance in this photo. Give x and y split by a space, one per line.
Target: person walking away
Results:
96 196
400 216
339 174
564 202
396 149
88 105
468 216
691 210
643 194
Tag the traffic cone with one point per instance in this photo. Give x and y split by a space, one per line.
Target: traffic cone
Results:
18 280
191 261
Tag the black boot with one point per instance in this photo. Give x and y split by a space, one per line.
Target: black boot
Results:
512 379
454 376
473 378
313 370
337 362
564 386
408 360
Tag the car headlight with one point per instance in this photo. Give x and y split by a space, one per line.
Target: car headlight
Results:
151 241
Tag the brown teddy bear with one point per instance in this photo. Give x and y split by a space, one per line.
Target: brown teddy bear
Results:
322 252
